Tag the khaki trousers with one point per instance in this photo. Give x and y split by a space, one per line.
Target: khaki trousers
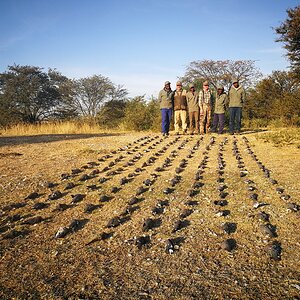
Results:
194 121
180 117
205 119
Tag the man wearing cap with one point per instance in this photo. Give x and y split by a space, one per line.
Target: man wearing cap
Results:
180 108
193 109
165 99
220 108
205 104
236 99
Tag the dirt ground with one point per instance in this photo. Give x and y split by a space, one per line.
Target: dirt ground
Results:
70 227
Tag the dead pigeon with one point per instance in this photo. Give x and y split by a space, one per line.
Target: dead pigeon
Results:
151 223
192 203
33 220
222 187
268 229
192 192
229 227
102 179
114 189
185 213
62 207
76 171
158 210
180 224
62 232
168 191
222 213
163 203
75 225
140 190
279 190
253 196
123 181
32 196
221 202
259 204
55 195
40 205
274 250
292 206
77 198
104 198
142 241
114 222
285 197
69 186
248 181
129 210
263 216
51 185
273 181
85 177
251 188
148 182
223 195
89 208
228 245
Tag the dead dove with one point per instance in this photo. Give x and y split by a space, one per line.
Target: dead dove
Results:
274 250
142 241
268 229
77 198
228 245
55 195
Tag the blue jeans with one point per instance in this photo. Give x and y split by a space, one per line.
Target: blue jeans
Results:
166 115
235 118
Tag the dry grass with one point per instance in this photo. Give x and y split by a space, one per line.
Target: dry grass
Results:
66 127
282 137
82 266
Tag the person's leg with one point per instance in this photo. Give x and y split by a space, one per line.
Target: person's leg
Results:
163 120
191 121
176 120
221 122
208 121
169 117
215 123
183 120
238 119
231 119
197 121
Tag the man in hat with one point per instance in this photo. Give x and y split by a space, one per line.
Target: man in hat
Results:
220 108
180 108
236 100
193 109
205 104
165 99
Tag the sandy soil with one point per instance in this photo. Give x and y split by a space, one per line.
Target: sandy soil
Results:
138 254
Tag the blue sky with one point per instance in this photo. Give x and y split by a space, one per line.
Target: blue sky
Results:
139 43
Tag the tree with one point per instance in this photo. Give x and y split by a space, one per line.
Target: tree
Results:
289 32
221 72
90 93
112 111
27 93
274 96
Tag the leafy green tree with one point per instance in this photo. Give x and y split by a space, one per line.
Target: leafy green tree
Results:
28 93
289 34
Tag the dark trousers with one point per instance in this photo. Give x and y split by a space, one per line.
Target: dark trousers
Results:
235 118
166 115
218 119
194 121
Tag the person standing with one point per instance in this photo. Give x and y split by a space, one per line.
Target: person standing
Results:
236 100
165 100
180 108
193 109
220 108
205 104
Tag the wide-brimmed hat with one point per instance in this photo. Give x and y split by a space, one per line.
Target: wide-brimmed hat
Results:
178 83
167 82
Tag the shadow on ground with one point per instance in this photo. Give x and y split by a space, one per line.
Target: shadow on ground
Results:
48 138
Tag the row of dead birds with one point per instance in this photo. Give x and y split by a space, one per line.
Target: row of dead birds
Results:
229 244
273 248
56 194
131 207
294 207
